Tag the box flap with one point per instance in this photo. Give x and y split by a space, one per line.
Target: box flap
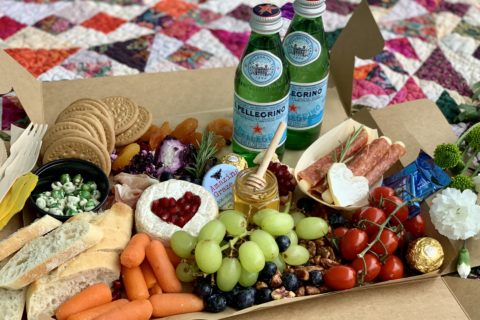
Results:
467 292
360 38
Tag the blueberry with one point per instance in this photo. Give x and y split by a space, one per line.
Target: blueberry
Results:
166 176
268 271
263 295
336 220
290 281
283 243
230 296
203 288
215 303
306 204
316 277
245 298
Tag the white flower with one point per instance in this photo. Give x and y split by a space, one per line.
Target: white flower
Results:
476 180
455 214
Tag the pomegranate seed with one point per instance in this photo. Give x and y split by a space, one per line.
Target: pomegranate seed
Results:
188 195
117 284
164 216
172 202
187 208
164 202
116 295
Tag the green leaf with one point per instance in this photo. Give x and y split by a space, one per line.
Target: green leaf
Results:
448 106
476 91
468 113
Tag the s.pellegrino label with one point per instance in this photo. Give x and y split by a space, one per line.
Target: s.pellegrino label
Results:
255 123
301 48
262 68
306 105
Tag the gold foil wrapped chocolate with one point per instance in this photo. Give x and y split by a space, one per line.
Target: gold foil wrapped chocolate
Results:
235 160
425 254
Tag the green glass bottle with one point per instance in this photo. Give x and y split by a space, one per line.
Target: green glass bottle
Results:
262 86
306 50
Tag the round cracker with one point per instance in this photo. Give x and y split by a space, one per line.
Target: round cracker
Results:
48 140
84 124
124 110
93 121
87 104
144 121
78 148
52 130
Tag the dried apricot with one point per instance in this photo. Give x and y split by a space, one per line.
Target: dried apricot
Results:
193 138
185 128
146 136
219 142
157 137
222 127
125 156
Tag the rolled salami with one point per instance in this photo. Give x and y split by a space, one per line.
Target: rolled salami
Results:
369 156
396 151
316 172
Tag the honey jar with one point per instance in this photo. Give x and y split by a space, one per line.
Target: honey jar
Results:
248 200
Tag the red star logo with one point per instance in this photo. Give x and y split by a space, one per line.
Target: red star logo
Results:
292 108
266 8
257 129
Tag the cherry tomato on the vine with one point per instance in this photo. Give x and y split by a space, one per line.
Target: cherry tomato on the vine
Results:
356 215
389 240
378 193
392 269
372 264
416 226
340 278
340 231
352 243
390 203
375 215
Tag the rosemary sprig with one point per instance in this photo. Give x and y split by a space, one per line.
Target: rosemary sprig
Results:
206 150
349 142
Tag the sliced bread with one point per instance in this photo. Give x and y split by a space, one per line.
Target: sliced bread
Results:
18 239
12 303
43 254
46 294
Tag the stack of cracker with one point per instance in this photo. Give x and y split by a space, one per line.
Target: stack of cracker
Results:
90 129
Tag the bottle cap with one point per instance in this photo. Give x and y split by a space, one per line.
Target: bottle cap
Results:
309 8
266 19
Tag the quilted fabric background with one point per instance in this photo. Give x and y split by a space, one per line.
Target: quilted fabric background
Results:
432 47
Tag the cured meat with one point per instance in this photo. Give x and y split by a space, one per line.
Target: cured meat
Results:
317 171
128 187
366 159
396 151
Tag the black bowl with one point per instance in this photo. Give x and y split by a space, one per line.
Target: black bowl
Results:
52 171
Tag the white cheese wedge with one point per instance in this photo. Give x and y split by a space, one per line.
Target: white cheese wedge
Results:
345 188
146 221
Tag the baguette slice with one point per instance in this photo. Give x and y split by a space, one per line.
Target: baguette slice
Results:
18 239
12 303
46 294
43 254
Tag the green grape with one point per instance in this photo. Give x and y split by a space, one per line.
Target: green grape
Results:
214 230
292 235
295 255
277 224
183 244
311 228
208 256
186 271
258 217
297 216
280 263
251 256
234 221
228 274
248 279
266 243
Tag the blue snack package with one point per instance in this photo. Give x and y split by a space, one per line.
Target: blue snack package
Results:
419 179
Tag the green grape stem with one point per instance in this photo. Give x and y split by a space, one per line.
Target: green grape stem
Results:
231 243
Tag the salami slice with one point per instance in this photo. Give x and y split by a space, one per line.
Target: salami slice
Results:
396 151
369 156
316 172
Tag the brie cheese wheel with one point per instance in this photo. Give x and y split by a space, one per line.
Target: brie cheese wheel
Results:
146 221
345 188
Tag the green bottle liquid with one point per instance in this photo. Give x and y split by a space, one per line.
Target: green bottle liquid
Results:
262 86
306 50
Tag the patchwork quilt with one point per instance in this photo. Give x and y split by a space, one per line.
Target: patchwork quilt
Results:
432 47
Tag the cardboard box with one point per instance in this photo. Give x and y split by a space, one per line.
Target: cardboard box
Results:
207 94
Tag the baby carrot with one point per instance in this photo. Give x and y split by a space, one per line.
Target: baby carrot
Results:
135 310
155 289
92 313
147 271
174 259
134 283
90 297
134 253
162 267
169 304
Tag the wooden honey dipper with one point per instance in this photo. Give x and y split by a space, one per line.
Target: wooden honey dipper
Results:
256 180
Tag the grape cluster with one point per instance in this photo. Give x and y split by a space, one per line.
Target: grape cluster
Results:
286 181
232 259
